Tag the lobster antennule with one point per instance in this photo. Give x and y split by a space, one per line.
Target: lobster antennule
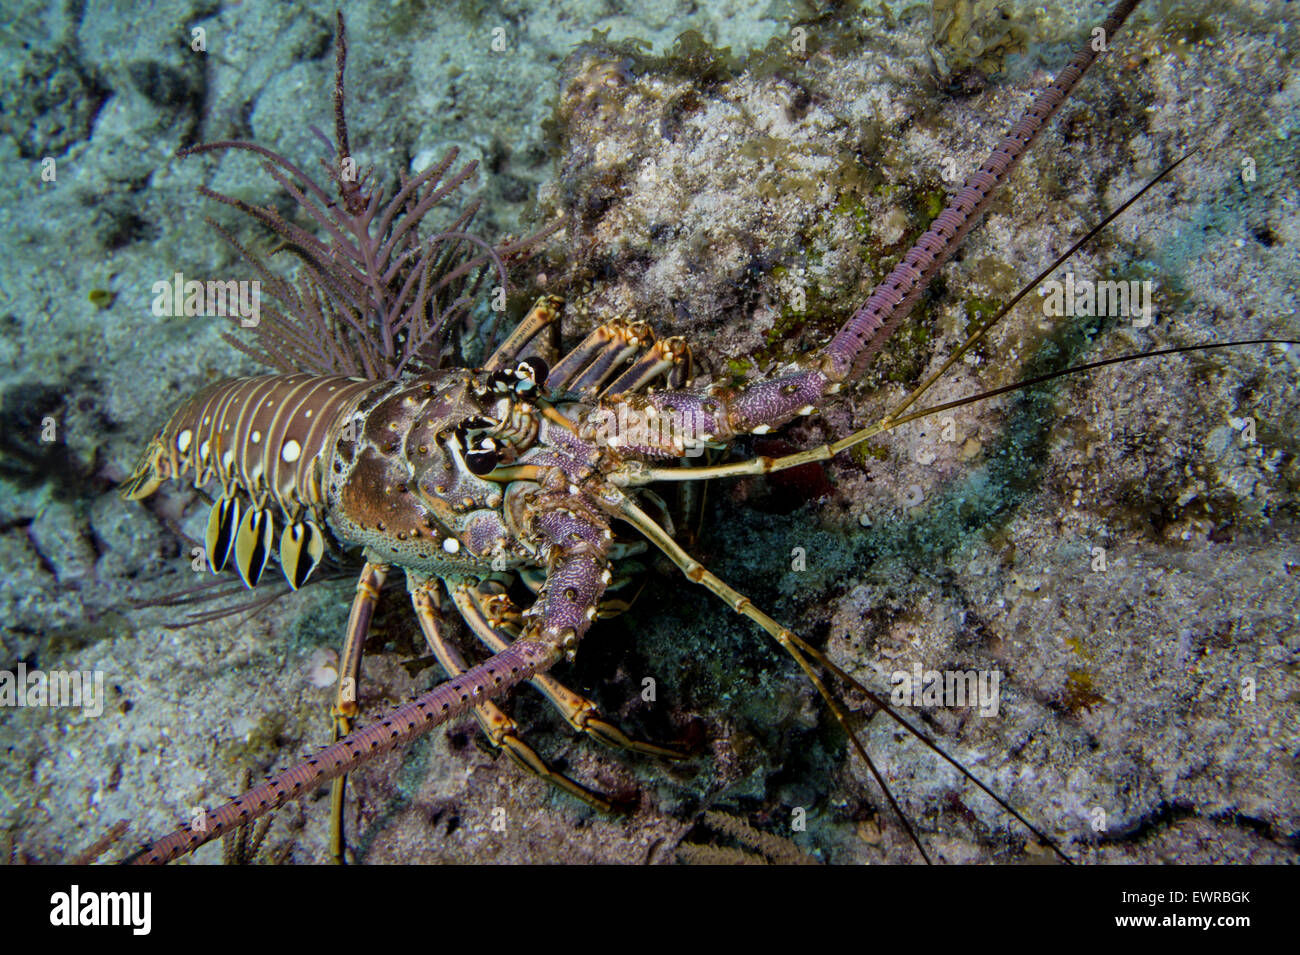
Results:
789 384
805 656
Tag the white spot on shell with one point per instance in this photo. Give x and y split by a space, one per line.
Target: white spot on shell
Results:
255 437
762 429
807 409
203 451
183 440
451 545
291 451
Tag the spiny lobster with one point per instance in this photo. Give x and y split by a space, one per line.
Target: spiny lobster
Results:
459 475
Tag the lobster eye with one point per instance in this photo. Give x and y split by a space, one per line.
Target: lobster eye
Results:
482 462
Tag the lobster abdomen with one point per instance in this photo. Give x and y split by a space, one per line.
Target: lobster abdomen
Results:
268 441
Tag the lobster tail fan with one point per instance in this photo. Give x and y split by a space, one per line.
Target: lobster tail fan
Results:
376 291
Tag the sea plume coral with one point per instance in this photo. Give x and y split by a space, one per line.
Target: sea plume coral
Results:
374 295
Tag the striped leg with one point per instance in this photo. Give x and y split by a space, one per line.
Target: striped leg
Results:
488 615
345 701
543 315
597 356
667 357
808 657
502 732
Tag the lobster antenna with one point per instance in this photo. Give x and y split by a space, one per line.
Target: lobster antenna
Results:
870 326
894 418
445 701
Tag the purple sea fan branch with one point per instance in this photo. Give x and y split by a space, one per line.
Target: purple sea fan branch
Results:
375 294
426 304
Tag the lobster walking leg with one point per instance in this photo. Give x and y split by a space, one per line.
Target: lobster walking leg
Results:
802 652
579 712
605 346
369 585
670 357
575 542
544 314
501 730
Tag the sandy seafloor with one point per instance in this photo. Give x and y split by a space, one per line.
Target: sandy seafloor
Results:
701 198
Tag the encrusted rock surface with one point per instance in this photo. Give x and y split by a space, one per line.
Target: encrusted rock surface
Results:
748 202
